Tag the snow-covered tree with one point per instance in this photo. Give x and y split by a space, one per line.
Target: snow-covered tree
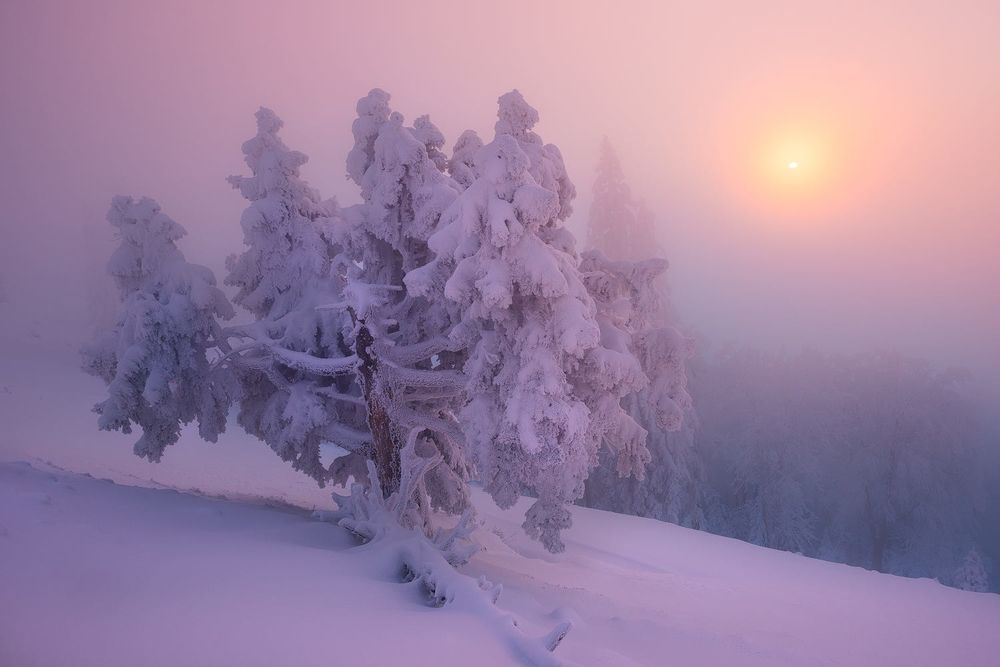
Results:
431 137
762 435
155 357
461 166
910 443
517 118
631 311
434 331
285 276
285 228
773 507
619 225
627 270
543 394
340 352
867 459
407 370
971 574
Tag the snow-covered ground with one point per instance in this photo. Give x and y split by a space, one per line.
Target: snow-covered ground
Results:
132 572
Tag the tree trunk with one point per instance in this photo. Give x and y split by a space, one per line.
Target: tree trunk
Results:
385 448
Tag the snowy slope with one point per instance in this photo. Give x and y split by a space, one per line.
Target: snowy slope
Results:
98 573
95 573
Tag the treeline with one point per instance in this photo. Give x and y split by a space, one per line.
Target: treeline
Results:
873 460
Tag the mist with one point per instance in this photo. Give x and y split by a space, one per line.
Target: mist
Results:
895 248
798 410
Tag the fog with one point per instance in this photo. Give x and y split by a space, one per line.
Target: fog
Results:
823 179
892 244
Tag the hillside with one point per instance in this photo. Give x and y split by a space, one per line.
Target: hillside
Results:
98 573
131 571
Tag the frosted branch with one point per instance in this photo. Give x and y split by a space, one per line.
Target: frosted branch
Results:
308 363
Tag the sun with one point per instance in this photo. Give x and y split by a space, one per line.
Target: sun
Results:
794 153
791 165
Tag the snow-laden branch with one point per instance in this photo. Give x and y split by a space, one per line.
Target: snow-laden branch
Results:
237 352
308 363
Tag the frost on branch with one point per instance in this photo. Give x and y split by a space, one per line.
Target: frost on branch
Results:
154 358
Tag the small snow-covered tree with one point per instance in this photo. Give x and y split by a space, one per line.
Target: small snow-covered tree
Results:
971 574
285 228
155 357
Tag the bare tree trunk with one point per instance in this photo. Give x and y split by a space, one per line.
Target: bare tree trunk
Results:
385 448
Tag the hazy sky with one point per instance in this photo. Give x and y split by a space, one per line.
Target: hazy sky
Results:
888 233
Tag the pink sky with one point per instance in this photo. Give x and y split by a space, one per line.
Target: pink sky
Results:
896 245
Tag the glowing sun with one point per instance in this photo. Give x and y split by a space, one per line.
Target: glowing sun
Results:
793 165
